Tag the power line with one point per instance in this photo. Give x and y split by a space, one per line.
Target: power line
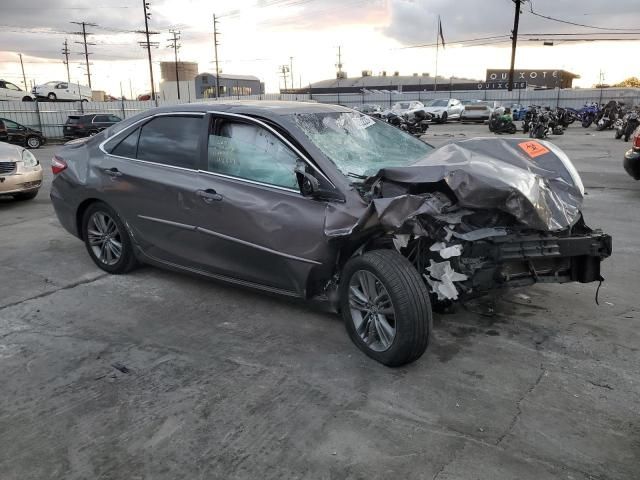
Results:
459 42
547 17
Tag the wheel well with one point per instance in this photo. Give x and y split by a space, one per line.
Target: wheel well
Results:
27 99
80 214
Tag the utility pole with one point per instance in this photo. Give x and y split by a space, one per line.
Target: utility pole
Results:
24 78
65 52
84 41
148 44
215 50
339 64
174 44
291 72
284 71
514 39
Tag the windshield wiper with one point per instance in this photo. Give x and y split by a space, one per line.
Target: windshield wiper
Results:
355 175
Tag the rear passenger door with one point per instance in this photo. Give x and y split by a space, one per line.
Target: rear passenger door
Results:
150 177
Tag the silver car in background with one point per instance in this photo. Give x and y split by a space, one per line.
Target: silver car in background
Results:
476 111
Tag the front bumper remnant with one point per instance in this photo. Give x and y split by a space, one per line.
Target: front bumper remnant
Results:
516 260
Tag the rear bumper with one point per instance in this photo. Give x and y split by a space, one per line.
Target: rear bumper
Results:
632 163
515 261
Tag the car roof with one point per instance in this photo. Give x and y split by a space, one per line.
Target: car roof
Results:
255 107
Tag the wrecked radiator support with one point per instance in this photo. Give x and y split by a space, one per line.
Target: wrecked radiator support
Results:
460 258
482 214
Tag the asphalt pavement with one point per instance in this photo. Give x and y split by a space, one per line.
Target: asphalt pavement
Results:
159 375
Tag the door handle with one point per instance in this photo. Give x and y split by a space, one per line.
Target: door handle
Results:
209 195
112 172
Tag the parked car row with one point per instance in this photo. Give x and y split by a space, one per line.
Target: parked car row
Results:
51 91
438 110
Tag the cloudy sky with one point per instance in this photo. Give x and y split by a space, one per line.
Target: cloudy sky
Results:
257 36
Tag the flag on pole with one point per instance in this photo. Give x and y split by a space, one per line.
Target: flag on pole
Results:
440 31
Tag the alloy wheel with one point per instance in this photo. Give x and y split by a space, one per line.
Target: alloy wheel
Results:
33 142
372 311
104 238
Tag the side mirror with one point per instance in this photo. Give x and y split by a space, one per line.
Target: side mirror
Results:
309 185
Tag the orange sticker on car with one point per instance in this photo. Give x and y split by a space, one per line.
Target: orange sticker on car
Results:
533 149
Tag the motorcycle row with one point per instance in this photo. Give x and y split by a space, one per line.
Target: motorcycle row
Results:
539 122
613 115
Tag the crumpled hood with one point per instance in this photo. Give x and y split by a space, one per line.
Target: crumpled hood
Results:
532 180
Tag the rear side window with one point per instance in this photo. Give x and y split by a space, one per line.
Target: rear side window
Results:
171 140
128 146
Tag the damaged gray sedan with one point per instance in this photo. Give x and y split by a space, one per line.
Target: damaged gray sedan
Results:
321 202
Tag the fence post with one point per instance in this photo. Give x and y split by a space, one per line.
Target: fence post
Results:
122 105
38 114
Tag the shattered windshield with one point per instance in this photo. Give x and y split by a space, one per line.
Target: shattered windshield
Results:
359 145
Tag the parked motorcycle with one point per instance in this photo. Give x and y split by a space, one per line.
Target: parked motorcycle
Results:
624 127
417 123
608 116
500 122
588 114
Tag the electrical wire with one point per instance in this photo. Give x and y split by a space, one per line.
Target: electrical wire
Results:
547 17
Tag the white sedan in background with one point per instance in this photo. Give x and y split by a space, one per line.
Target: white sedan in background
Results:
476 110
443 109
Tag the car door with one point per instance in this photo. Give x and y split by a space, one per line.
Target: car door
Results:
100 122
13 92
255 224
149 175
16 133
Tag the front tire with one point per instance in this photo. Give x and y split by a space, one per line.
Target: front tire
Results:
107 240
52 97
385 306
443 118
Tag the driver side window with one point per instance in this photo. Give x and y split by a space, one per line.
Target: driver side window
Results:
250 152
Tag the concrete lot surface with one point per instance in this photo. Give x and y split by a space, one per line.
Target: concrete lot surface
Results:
227 383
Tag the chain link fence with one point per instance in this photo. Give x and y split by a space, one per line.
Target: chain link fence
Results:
50 117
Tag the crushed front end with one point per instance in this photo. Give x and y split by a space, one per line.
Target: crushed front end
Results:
482 214
507 258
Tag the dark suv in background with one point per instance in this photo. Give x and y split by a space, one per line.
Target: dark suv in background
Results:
88 125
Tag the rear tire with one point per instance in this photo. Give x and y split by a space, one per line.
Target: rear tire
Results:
52 97
33 142
107 240
395 279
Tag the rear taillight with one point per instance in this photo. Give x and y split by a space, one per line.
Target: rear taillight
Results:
57 164
636 138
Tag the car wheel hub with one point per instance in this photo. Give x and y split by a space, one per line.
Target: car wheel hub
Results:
372 311
104 238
